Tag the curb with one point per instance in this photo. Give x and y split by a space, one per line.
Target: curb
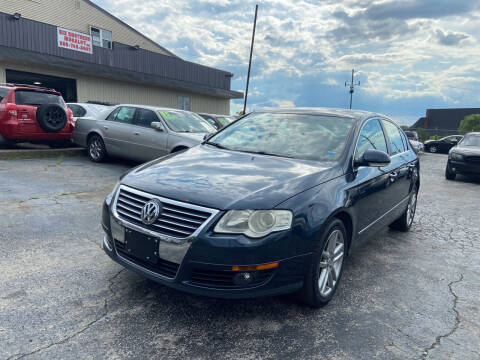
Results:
21 154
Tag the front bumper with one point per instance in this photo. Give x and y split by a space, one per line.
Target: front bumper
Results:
462 167
206 267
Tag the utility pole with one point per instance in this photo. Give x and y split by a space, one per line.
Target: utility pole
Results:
352 87
250 61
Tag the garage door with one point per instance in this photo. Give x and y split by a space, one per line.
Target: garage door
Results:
68 87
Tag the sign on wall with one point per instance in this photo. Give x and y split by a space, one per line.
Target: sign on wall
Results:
74 40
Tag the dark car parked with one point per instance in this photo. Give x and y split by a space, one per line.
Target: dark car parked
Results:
269 205
465 157
218 121
442 145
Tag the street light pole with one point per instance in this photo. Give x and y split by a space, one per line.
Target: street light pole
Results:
352 87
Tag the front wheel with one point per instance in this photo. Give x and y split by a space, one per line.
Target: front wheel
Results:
325 270
404 222
433 149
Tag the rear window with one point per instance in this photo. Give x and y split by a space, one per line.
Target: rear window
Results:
31 97
3 92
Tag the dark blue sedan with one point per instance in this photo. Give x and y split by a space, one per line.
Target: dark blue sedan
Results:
271 204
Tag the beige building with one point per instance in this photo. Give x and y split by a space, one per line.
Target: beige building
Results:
88 54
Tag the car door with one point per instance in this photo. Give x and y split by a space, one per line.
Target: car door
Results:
398 169
118 130
150 143
369 183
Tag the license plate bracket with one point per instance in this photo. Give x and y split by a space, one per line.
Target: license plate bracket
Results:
141 246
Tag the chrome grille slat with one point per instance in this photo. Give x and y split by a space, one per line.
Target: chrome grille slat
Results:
178 220
139 211
128 215
183 212
177 224
171 229
196 222
130 203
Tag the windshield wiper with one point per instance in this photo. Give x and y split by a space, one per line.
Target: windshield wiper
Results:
265 153
217 145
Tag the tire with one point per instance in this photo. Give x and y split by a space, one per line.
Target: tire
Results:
51 117
404 222
319 288
449 175
96 149
433 149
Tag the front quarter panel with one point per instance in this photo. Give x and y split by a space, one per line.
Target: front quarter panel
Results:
312 209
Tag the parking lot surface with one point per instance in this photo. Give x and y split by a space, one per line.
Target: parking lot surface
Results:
403 295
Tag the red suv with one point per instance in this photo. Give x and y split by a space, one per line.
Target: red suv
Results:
33 114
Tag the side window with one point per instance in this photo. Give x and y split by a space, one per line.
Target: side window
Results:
395 137
211 121
125 115
113 115
3 92
77 110
405 141
371 137
145 117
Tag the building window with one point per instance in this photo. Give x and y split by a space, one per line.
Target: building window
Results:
184 103
101 37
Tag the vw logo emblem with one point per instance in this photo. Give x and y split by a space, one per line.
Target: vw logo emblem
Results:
151 211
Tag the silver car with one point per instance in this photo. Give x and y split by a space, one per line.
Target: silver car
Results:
87 110
140 132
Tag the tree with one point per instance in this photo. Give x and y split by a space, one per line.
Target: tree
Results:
405 127
422 134
470 123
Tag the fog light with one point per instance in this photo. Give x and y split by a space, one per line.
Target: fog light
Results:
243 278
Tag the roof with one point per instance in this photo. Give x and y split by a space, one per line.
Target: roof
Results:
447 119
154 108
354 114
131 28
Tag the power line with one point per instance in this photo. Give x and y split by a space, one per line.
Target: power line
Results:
250 61
352 87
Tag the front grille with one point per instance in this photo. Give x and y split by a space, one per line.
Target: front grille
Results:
473 159
162 267
224 279
179 220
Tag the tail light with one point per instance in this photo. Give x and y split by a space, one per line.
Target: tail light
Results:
12 109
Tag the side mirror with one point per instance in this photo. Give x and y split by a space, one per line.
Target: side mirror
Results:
157 125
375 158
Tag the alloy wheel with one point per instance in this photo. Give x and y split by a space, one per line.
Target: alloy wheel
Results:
95 149
331 262
412 205
433 149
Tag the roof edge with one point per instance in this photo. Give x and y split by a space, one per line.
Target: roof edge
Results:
98 7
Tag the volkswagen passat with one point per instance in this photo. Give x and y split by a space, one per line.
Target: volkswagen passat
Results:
271 204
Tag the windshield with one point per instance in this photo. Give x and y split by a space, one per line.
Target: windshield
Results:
180 121
31 97
471 140
311 137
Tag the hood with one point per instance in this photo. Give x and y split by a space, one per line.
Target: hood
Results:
467 150
223 179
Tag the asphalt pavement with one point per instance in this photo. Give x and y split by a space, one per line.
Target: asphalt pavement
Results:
403 295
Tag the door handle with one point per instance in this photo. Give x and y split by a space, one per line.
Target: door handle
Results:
412 166
136 133
105 127
393 175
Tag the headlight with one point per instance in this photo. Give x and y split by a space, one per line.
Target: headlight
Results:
254 223
455 156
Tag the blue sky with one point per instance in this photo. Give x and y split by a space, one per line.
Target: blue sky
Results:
409 55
